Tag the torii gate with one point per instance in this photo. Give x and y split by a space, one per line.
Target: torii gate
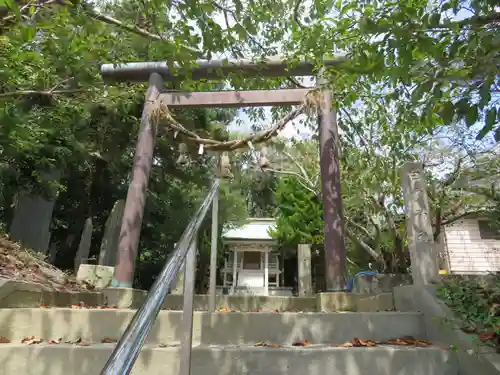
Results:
157 73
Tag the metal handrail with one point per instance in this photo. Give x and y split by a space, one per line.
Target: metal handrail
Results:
128 348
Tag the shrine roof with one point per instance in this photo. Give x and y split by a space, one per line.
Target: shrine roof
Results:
256 229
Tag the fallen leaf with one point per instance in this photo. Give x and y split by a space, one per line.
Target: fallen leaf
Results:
4 340
80 305
56 341
422 343
346 344
487 336
44 307
265 344
301 343
83 343
31 340
406 341
398 342
223 309
107 340
104 307
276 310
445 347
402 341
356 342
363 343
77 341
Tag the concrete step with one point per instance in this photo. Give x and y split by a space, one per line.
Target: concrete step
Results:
63 359
231 328
17 294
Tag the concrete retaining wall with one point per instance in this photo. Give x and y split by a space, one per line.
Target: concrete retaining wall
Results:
381 283
473 358
16 294
66 359
210 329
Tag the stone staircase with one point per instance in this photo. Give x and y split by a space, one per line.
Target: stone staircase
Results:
224 343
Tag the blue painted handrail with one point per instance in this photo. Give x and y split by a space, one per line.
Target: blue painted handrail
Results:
350 283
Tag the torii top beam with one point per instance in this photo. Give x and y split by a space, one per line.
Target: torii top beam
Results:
213 69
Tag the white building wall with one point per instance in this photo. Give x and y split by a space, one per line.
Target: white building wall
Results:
468 253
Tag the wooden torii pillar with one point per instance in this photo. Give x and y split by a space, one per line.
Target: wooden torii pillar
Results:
157 73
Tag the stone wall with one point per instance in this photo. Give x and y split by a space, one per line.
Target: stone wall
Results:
381 283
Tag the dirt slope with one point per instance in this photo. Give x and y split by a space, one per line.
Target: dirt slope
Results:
20 264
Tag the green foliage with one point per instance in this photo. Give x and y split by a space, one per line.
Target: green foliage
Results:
299 214
261 191
371 190
57 114
475 302
410 71
434 62
464 296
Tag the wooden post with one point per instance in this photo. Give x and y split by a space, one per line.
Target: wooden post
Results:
424 259
177 286
235 272
335 251
136 196
213 252
234 99
187 309
304 268
214 238
266 273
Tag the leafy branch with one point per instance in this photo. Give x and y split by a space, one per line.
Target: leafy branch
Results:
43 92
34 7
137 30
